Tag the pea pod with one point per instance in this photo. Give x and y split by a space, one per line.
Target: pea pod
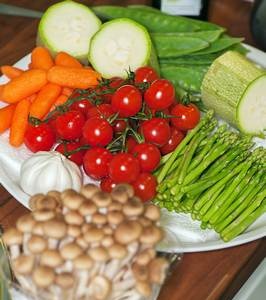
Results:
154 22
206 59
173 46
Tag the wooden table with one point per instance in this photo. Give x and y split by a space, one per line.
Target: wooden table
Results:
201 276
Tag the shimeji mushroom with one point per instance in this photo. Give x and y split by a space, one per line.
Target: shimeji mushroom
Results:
88 245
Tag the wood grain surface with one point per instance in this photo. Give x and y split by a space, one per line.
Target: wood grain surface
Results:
199 276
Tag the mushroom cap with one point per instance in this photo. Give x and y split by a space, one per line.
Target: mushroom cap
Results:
127 232
38 228
51 258
145 256
83 262
151 235
101 287
120 195
55 229
25 223
23 264
73 230
133 207
12 237
145 221
115 217
43 276
65 280
107 241
46 202
157 270
87 208
101 199
74 218
107 229
43 215
126 188
117 251
33 199
56 195
99 219
88 190
81 242
93 234
144 288
37 244
72 199
70 251
115 206
152 212
140 272
99 254
85 227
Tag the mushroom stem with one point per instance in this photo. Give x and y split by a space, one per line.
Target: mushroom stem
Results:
14 251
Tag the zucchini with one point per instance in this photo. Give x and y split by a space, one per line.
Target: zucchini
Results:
68 26
119 46
235 88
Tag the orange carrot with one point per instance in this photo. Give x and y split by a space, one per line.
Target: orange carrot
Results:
44 100
41 59
28 83
65 60
59 101
19 123
67 91
11 72
1 90
6 114
32 97
79 78
30 66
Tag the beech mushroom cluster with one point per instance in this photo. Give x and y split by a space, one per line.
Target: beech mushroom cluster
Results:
88 245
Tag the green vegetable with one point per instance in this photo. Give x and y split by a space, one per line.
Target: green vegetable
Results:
68 26
235 88
119 46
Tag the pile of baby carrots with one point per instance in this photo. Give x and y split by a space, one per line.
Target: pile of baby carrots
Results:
47 83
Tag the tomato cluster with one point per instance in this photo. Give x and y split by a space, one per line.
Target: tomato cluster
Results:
118 131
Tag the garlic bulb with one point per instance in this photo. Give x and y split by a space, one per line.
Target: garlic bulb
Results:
49 170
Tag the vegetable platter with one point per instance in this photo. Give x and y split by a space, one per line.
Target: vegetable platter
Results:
118 120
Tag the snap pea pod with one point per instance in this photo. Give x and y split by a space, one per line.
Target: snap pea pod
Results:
190 60
219 45
187 78
154 22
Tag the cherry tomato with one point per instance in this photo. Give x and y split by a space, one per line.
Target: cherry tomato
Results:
119 126
97 132
102 111
145 74
115 83
160 95
124 167
148 155
130 144
145 186
107 184
69 125
127 100
174 140
156 131
68 149
96 161
82 106
187 116
39 138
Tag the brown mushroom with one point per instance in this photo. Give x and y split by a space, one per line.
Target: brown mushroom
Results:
151 235
152 212
73 218
54 230
120 189
83 262
87 209
82 242
107 241
117 251
33 199
93 235
89 190
73 231
99 219
70 251
145 256
51 258
101 199
43 215
38 228
56 195
144 288
72 199
133 207
13 238
100 288
127 232
115 217
140 272
23 264
98 254
43 276
115 206
37 244
46 202
65 280
157 270
25 223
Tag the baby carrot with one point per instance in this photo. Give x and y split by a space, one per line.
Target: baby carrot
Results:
6 114
65 60
44 100
67 91
59 101
41 59
11 72
19 123
80 78
28 83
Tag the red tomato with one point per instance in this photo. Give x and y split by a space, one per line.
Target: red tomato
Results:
97 132
124 167
69 125
107 184
96 161
145 74
119 126
156 131
130 144
82 106
39 138
175 139
102 111
148 155
115 83
127 100
160 95
68 149
145 186
187 116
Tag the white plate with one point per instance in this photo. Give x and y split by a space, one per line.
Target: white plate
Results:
182 234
